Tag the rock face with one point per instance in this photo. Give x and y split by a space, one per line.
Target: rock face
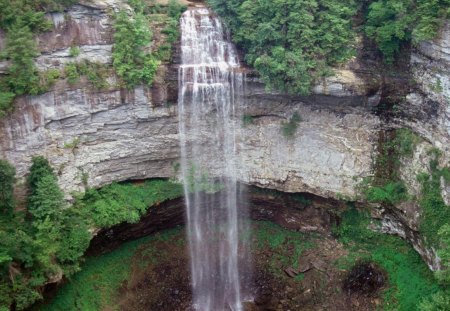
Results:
93 137
96 137
329 153
426 109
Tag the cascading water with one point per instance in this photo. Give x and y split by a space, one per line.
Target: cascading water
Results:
209 84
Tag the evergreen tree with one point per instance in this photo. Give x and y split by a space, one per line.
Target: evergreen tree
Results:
7 178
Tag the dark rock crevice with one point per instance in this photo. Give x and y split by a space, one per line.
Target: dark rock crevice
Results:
298 212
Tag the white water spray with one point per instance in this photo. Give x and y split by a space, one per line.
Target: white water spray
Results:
209 84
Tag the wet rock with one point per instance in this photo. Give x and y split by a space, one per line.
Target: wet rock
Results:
291 272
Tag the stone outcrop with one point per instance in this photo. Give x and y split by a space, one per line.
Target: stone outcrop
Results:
329 154
426 108
93 137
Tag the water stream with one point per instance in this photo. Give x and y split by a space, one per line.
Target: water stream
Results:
209 88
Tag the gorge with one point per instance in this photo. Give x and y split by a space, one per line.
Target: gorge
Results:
360 138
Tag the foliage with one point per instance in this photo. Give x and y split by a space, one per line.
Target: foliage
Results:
435 217
6 101
405 141
22 19
410 281
51 240
118 203
290 128
391 193
47 200
386 186
130 60
96 73
247 120
20 50
291 43
71 73
392 23
444 252
73 144
436 302
74 51
7 179
40 167
96 285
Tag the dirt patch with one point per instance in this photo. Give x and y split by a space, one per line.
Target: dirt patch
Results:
294 273
160 278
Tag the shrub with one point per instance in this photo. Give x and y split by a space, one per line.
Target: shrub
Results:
74 51
71 73
118 203
406 141
247 120
6 101
290 128
40 167
391 193
436 302
409 278
21 49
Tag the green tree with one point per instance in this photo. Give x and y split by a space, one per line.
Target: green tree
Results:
392 23
47 199
21 49
130 60
40 167
291 43
7 179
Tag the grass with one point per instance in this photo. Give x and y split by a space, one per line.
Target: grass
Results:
271 235
95 286
410 281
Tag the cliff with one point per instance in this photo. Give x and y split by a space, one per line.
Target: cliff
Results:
96 137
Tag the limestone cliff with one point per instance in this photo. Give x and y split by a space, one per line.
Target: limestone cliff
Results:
97 137
103 136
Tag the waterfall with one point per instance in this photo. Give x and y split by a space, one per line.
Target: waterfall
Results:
209 85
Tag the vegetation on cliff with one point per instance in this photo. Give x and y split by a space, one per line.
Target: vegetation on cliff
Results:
132 64
291 43
21 20
47 240
392 23
135 59
387 188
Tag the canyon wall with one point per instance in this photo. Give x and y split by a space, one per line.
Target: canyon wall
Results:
96 137
93 137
